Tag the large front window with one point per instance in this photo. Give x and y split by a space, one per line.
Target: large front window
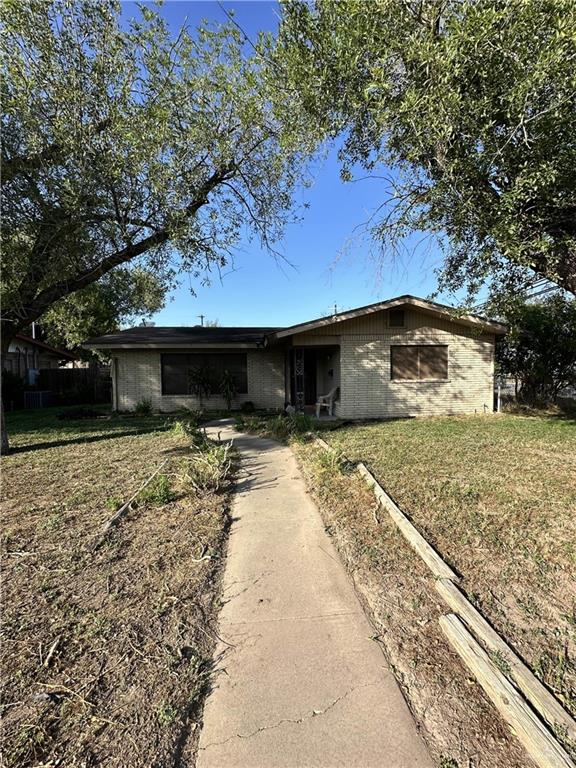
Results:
426 362
180 371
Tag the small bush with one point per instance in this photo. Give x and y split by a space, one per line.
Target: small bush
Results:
158 492
279 427
79 413
208 468
247 407
143 407
185 427
228 388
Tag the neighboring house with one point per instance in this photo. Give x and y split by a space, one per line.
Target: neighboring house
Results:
27 354
403 357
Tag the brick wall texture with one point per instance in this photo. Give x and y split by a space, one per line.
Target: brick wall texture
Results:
366 388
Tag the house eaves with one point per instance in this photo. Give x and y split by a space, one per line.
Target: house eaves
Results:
430 307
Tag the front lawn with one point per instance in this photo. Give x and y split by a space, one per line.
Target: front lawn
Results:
106 655
496 496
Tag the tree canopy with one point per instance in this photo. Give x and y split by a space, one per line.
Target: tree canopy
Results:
124 146
121 297
540 348
471 106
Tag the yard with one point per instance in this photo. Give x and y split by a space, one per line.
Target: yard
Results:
106 655
496 496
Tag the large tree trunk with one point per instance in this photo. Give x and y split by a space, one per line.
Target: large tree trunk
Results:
4 442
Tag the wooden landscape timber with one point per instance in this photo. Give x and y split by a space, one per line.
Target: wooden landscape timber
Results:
435 563
512 704
536 693
119 514
540 744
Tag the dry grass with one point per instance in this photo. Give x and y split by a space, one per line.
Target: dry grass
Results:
496 496
105 656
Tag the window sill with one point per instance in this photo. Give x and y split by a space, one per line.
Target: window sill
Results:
420 381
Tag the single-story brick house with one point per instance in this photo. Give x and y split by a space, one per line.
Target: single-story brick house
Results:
402 357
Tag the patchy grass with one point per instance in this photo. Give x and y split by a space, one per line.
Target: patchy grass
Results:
106 656
496 496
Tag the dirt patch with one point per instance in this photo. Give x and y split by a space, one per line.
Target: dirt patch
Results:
106 657
456 719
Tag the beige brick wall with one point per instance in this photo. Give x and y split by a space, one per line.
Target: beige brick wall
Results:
366 389
138 378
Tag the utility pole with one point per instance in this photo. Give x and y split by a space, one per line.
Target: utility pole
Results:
201 320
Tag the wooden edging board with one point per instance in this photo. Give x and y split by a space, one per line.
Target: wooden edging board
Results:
536 693
119 514
439 568
323 444
530 731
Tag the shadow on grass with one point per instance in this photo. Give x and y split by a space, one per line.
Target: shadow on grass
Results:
83 439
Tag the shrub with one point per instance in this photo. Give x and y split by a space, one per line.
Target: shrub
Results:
208 468
247 407
158 492
279 427
228 388
200 383
79 413
143 407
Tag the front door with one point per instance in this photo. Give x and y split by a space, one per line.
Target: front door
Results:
303 378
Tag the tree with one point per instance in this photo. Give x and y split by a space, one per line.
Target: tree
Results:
123 146
119 298
472 105
540 349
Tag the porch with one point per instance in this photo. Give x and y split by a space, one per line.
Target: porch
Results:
312 371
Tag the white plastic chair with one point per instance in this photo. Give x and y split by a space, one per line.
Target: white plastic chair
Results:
326 401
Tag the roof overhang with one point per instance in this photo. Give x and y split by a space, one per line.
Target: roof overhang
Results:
429 307
60 353
171 345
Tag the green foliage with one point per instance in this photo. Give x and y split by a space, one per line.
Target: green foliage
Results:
201 382
472 107
280 427
228 388
208 467
119 298
143 407
125 146
158 492
540 349
167 713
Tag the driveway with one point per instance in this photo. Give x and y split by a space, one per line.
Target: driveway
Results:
300 682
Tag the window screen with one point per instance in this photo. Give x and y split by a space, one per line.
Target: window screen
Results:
396 318
176 369
419 362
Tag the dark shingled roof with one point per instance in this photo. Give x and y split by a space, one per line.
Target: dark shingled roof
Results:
143 336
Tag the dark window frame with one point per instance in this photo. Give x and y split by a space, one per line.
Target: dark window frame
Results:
418 347
396 312
205 356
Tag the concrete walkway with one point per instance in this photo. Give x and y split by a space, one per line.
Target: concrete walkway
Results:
302 683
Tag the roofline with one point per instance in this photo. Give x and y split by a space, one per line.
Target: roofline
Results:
46 347
427 306
172 345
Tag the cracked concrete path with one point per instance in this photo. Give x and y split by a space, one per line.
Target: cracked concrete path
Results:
299 680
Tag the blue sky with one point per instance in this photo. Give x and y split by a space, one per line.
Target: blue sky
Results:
331 261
